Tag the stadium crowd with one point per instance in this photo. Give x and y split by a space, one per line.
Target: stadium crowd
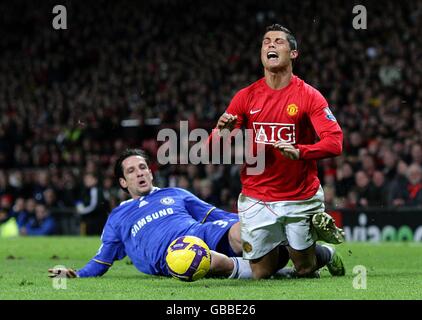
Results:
66 97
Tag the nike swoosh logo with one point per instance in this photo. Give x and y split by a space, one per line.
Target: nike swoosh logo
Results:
255 111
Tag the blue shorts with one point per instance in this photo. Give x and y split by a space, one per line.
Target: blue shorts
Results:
214 231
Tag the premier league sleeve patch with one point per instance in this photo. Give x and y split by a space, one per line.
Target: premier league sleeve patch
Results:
329 115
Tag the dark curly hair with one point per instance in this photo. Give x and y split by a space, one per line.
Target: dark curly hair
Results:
290 37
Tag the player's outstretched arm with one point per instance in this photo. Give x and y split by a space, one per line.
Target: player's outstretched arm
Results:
109 252
93 268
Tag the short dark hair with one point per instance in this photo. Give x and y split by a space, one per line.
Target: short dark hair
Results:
290 37
118 168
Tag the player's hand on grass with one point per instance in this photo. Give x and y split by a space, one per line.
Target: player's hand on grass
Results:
226 121
287 150
61 272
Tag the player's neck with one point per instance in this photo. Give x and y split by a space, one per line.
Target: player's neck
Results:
278 80
136 196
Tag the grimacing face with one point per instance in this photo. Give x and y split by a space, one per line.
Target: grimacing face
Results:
275 51
137 176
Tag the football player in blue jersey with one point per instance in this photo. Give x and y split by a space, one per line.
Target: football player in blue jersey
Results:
143 227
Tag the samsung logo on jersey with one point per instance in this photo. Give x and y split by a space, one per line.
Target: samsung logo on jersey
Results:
269 133
138 225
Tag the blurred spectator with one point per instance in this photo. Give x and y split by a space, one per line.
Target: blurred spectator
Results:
42 224
67 188
330 197
345 180
18 211
41 184
414 187
416 154
379 198
50 199
390 163
352 200
356 143
8 224
92 207
5 187
206 192
362 189
30 205
183 182
111 192
368 164
369 193
398 187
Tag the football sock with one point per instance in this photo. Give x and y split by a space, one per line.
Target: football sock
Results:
323 255
291 273
235 268
241 270
286 273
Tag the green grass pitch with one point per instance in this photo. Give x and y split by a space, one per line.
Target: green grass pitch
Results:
393 272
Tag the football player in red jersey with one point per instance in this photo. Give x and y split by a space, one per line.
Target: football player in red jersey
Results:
285 203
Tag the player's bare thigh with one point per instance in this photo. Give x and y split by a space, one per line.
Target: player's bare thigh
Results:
234 238
265 266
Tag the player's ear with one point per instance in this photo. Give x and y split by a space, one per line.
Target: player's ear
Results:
294 54
123 183
150 172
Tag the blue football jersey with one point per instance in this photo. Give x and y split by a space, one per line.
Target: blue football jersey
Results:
144 228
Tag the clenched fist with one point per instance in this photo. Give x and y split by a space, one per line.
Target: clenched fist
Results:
287 150
226 121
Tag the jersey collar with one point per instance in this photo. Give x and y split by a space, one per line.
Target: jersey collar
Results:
154 189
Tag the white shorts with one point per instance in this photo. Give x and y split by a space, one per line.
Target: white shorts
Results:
266 225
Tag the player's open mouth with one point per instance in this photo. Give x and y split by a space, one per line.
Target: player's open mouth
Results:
272 55
142 183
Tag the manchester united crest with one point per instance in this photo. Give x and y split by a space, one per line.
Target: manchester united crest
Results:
247 247
292 109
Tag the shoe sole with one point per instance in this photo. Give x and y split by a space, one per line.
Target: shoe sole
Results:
326 229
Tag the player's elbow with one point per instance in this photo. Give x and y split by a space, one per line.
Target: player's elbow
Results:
338 149
337 144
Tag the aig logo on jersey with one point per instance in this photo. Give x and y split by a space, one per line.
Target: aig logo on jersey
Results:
167 201
268 133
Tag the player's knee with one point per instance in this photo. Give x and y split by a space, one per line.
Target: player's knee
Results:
304 271
234 238
261 274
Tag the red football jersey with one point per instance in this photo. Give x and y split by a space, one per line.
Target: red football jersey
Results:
297 114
